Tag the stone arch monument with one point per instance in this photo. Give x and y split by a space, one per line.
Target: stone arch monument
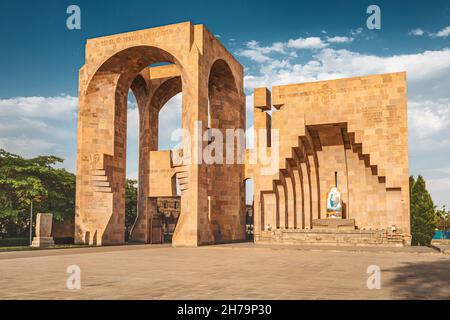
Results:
347 135
209 78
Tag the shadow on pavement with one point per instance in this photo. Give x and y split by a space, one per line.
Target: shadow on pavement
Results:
423 280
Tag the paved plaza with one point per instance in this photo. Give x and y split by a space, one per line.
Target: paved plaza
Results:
241 271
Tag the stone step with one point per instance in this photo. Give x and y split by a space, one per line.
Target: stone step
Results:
100 183
99 178
98 172
183 174
328 237
102 189
183 180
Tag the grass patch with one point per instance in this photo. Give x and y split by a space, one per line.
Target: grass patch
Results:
28 248
14 242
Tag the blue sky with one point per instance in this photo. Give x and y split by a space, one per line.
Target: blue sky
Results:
276 41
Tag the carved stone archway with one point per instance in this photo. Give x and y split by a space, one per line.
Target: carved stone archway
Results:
114 64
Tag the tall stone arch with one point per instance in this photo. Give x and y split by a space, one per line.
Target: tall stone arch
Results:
114 64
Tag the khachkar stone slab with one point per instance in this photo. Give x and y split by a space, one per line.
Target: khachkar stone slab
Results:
43 236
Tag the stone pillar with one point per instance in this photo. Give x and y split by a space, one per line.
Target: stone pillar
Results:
43 236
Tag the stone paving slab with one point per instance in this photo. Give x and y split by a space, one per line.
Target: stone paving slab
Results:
73 251
239 271
409 249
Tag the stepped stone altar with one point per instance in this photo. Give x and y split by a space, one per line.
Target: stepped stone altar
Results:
349 130
332 237
340 224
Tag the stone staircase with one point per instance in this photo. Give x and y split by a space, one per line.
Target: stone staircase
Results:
100 181
183 179
332 238
395 239
358 148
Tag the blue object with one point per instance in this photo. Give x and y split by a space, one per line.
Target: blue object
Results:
439 235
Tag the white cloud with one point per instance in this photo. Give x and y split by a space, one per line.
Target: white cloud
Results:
275 47
169 121
416 32
439 184
421 66
26 146
444 32
340 39
32 126
429 69
445 169
40 107
307 43
356 32
262 54
254 55
258 53
428 118
439 189
133 123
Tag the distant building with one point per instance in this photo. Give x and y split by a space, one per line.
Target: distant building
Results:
170 208
249 221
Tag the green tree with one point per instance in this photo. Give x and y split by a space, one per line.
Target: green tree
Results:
36 180
130 205
423 213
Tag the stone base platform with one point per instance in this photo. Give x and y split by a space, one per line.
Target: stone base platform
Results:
441 241
340 224
42 242
332 237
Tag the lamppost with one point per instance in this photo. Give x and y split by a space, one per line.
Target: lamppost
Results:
444 214
31 222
